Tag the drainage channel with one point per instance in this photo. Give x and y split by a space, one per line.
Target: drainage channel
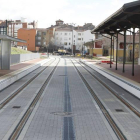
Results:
112 123
68 129
7 100
105 85
15 134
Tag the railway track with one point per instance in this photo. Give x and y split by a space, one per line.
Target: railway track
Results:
7 100
135 111
112 123
15 134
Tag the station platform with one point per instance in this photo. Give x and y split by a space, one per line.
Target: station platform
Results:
125 80
19 70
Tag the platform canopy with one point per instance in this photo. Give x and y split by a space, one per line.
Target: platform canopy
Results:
6 37
128 16
5 50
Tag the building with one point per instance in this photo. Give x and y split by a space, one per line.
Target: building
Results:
40 38
29 36
71 37
102 46
3 27
14 25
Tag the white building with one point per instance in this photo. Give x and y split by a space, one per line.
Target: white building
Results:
63 38
67 36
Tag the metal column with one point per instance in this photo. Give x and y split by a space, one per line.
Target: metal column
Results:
116 51
124 51
5 46
133 51
139 48
111 53
113 48
139 42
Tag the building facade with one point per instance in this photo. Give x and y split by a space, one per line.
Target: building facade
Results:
102 46
67 36
15 25
29 36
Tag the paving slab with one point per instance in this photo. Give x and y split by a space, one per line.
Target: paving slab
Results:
9 116
125 83
18 71
67 111
127 121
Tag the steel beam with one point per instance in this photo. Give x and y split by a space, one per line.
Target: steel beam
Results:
116 51
113 48
133 51
124 51
111 53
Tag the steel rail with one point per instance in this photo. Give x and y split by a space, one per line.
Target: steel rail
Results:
7 100
135 111
110 120
15 134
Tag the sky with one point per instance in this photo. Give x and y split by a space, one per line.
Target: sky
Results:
46 12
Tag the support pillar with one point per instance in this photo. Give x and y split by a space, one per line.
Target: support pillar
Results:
116 51
113 48
139 48
133 51
111 53
124 51
5 46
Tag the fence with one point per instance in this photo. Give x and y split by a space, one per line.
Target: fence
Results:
17 58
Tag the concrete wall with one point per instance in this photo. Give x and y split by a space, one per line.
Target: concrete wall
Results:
17 58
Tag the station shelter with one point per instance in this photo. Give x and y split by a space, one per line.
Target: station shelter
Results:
123 21
5 50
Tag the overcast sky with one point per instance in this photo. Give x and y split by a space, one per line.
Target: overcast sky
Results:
46 12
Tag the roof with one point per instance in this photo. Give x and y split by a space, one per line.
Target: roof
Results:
59 20
126 17
6 37
41 29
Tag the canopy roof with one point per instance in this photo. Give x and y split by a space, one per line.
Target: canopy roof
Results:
6 37
128 16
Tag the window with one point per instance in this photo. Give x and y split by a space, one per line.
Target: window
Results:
44 43
56 38
79 33
56 33
39 43
69 38
39 33
82 38
65 43
74 40
39 38
79 38
69 43
44 33
65 33
74 36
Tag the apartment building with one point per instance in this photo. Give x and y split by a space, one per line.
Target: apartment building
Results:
3 28
67 36
29 36
14 25
41 37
